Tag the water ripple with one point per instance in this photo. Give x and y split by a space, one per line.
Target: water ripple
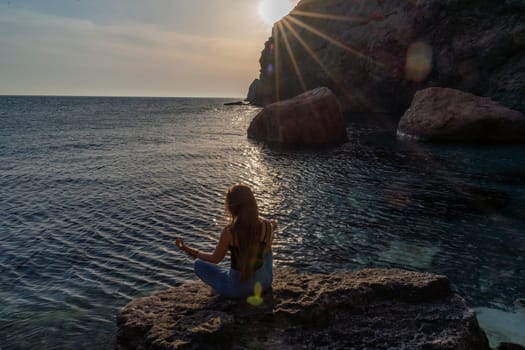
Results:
94 192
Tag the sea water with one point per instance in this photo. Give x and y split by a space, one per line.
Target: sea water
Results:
93 192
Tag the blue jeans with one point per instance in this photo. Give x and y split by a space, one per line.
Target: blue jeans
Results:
227 283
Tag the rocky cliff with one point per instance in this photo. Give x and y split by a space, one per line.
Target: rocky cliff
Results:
367 309
376 54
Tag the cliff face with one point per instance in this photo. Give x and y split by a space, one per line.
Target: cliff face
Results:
376 54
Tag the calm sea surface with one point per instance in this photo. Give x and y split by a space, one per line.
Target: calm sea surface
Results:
93 192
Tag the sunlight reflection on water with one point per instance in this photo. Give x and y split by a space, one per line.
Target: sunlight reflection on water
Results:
92 203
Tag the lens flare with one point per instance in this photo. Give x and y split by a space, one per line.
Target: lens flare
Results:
256 299
418 62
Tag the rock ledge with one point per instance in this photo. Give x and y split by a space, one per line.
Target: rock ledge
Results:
367 309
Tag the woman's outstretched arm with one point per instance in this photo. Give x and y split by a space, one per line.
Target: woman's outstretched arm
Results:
220 249
218 254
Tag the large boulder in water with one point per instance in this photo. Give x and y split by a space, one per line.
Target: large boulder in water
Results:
439 114
313 118
367 309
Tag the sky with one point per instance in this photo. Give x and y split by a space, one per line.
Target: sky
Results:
131 47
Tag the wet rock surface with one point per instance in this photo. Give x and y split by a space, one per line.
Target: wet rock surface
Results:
366 309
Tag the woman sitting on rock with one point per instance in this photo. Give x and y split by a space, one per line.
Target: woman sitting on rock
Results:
249 238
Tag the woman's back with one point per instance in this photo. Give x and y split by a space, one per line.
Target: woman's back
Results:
262 248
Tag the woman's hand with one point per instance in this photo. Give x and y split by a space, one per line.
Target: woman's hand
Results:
180 244
191 252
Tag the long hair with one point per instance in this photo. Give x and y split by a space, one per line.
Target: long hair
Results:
241 207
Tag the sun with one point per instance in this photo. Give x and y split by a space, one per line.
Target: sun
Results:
273 10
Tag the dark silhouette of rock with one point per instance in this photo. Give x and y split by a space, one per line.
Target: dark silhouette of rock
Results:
313 118
509 346
237 103
253 92
374 55
439 114
367 309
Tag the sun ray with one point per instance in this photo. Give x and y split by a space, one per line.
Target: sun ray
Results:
292 57
334 41
416 148
331 76
354 19
276 64
308 49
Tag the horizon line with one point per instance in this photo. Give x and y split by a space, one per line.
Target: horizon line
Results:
117 96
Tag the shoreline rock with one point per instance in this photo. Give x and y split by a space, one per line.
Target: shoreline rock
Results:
366 309
442 114
311 119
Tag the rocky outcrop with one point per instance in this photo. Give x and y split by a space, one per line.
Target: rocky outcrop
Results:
439 114
367 309
313 118
376 54
253 92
